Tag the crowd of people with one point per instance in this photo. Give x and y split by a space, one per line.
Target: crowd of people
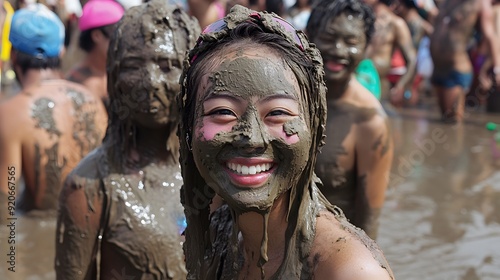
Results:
221 139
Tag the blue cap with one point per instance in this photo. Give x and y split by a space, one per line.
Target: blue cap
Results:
37 31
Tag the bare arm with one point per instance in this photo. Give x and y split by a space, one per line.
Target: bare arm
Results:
78 226
404 42
374 159
342 252
10 161
488 29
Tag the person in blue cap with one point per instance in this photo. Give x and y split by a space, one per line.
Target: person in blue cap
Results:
51 124
356 159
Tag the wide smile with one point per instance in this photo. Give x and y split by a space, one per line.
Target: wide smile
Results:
250 172
336 65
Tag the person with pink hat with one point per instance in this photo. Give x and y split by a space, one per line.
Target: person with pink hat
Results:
96 24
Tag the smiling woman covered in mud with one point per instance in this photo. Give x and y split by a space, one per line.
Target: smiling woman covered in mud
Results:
253 114
120 214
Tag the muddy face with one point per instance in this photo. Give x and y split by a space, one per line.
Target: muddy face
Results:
342 43
149 72
251 140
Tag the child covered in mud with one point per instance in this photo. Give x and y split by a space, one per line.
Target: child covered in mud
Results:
120 214
253 116
355 162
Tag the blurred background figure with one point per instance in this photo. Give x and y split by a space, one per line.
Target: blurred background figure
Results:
391 34
419 28
96 25
356 122
299 13
124 197
206 11
453 69
45 129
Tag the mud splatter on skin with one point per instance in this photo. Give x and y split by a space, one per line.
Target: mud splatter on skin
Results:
346 188
42 113
133 180
85 133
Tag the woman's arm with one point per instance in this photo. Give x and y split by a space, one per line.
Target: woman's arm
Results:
78 224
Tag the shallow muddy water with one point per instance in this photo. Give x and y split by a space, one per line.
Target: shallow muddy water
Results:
441 219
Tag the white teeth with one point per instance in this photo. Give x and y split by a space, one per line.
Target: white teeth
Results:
249 170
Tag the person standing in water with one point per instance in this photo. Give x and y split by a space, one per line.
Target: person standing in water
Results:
120 213
253 113
452 76
355 162
47 128
96 24
391 32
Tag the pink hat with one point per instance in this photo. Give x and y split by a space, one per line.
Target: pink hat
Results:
97 13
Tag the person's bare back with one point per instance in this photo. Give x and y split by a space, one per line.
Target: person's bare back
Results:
454 26
45 130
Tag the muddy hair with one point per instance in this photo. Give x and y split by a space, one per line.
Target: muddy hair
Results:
27 62
324 10
121 132
196 195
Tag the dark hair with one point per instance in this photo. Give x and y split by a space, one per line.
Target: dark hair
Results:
244 31
85 41
26 62
386 2
324 10
408 3
275 6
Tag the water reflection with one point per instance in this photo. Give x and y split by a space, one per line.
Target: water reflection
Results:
441 218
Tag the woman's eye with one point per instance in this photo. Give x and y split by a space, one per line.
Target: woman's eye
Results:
278 113
222 112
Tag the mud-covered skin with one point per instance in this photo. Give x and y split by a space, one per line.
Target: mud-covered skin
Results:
46 123
252 70
272 244
95 82
338 163
341 41
357 127
116 209
454 26
121 215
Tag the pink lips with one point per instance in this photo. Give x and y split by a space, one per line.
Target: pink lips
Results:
335 66
250 172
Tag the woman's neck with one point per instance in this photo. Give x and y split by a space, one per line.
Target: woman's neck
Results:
251 225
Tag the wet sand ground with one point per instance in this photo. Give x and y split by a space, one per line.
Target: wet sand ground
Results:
441 220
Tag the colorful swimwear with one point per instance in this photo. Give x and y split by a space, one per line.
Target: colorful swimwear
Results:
367 75
452 79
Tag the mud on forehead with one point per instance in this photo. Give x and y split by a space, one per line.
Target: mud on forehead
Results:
255 70
144 27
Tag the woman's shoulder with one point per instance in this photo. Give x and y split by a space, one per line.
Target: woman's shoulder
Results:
89 172
343 251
